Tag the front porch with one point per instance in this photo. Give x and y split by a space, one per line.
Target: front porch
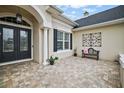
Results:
71 72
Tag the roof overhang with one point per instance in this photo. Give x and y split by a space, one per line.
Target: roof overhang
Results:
65 19
57 13
54 9
117 21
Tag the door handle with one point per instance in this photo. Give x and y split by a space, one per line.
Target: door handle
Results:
0 33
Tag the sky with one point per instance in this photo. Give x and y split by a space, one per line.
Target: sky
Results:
75 12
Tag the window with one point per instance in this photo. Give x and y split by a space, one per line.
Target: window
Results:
8 40
59 40
23 41
63 40
66 45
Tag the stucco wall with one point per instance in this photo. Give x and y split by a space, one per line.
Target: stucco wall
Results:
47 19
61 26
37 43
112 41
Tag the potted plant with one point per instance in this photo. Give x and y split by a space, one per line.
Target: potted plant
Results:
52 60
75 52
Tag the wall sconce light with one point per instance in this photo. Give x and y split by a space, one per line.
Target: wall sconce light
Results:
18 17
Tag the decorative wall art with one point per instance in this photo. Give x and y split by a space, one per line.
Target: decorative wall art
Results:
92 39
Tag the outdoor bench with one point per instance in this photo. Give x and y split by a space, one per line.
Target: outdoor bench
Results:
91 53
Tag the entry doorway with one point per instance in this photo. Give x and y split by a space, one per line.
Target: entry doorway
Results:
15 43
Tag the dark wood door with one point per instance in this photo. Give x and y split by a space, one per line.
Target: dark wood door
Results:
0 42
24 49
15 43
8 43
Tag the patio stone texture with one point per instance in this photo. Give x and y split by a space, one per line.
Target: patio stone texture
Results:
71 72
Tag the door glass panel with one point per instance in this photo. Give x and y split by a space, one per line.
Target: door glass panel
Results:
23 40
8 40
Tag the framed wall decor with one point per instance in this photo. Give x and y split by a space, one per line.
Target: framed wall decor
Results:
92 40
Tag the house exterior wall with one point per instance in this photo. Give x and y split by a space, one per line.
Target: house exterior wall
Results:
36 44
45 15
112 41
56 24
39 12
40 19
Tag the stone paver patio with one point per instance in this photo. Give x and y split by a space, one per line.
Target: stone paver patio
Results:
71 72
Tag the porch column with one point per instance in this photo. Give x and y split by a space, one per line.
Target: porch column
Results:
45 44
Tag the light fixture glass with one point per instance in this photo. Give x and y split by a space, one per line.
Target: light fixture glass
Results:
18 18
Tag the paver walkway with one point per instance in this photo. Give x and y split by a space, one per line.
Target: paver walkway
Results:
71 72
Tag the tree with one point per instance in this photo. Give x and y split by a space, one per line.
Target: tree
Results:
86 13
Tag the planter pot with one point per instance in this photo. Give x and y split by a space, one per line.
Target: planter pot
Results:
51 62
75 54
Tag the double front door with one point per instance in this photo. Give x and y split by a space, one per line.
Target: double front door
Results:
15 43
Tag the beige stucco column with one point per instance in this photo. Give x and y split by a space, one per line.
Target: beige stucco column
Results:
45 44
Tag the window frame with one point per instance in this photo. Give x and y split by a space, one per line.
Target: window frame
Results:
67 41
59 41
63 40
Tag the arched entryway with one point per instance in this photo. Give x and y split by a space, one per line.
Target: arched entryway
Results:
15 41
20 41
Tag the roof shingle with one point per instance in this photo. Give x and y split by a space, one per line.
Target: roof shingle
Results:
108 15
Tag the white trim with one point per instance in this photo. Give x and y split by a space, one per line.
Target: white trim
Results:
45 52
121 20
17 61
61 51
60 16
32 43
58 24
56 8
16 25
64 19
